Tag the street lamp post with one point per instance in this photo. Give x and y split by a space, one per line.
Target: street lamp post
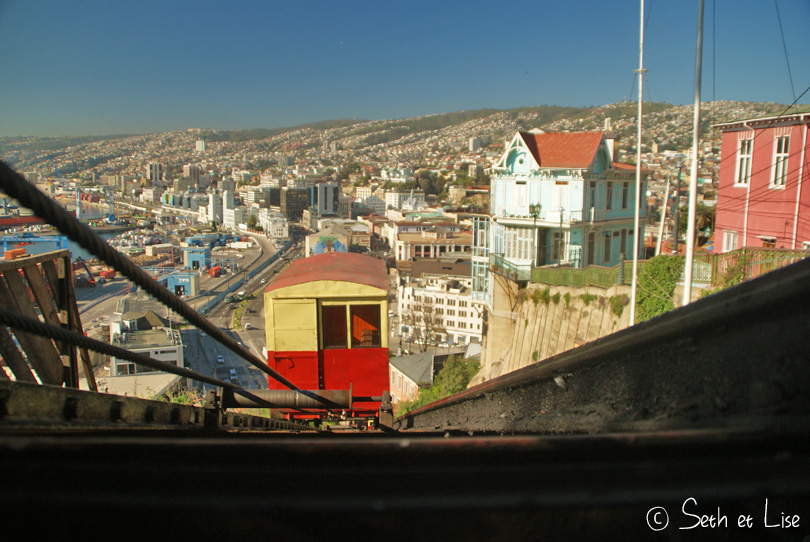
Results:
676 213
560 244
534 211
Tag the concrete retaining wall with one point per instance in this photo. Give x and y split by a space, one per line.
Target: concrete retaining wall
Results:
537 331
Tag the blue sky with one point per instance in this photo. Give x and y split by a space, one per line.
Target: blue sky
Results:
104 67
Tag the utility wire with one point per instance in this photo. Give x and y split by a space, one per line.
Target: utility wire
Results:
784 48
733 156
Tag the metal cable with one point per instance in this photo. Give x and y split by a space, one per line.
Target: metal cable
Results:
17 187
784 48
32 325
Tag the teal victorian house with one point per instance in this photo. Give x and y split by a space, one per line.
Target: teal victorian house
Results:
555 199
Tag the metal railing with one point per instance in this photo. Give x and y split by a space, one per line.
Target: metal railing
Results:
744 263
593 275
502 266
708 269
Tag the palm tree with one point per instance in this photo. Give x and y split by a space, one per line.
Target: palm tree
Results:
704 220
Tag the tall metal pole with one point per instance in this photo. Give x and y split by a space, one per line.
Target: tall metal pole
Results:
663 219
636 235
677 213
690 225
560 244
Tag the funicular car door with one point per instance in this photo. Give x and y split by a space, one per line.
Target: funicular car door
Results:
295 338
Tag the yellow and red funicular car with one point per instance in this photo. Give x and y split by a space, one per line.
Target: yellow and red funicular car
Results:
327 327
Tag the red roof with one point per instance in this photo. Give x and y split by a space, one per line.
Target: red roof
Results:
338 266
563 149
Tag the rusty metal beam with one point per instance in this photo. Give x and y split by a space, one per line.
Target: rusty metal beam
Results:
31 408
61 285
40 352
14 359
75 324
32 260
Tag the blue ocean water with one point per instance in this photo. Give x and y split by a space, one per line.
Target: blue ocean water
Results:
75 250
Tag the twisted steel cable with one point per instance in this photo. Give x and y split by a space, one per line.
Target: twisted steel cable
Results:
17 187
32 325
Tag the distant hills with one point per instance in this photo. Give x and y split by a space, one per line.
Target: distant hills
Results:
667 124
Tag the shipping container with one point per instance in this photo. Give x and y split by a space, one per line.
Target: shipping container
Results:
215 271
15 253
107 274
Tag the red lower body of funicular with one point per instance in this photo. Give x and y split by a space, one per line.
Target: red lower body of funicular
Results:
364 371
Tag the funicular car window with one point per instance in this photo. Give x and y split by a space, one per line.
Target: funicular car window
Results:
365 326
333 318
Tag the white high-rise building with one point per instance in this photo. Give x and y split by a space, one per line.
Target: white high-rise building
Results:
228 200
231 218
215 207
200 147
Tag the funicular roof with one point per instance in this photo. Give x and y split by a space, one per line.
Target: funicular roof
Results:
333 266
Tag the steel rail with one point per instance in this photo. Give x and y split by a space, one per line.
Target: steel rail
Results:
27 408
17 187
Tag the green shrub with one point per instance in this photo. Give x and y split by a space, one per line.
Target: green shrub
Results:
734 275
656 285
453 378
534 355
541 295
556 298
567 298
617 303
587 298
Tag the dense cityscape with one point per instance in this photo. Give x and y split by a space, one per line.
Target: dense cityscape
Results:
406 191
346 270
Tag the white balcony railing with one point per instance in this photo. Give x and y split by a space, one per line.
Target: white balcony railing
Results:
555 216
596 215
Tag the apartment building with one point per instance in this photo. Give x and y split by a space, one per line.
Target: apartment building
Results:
760 202
557 198
445 289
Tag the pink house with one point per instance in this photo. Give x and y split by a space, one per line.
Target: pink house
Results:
763 198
